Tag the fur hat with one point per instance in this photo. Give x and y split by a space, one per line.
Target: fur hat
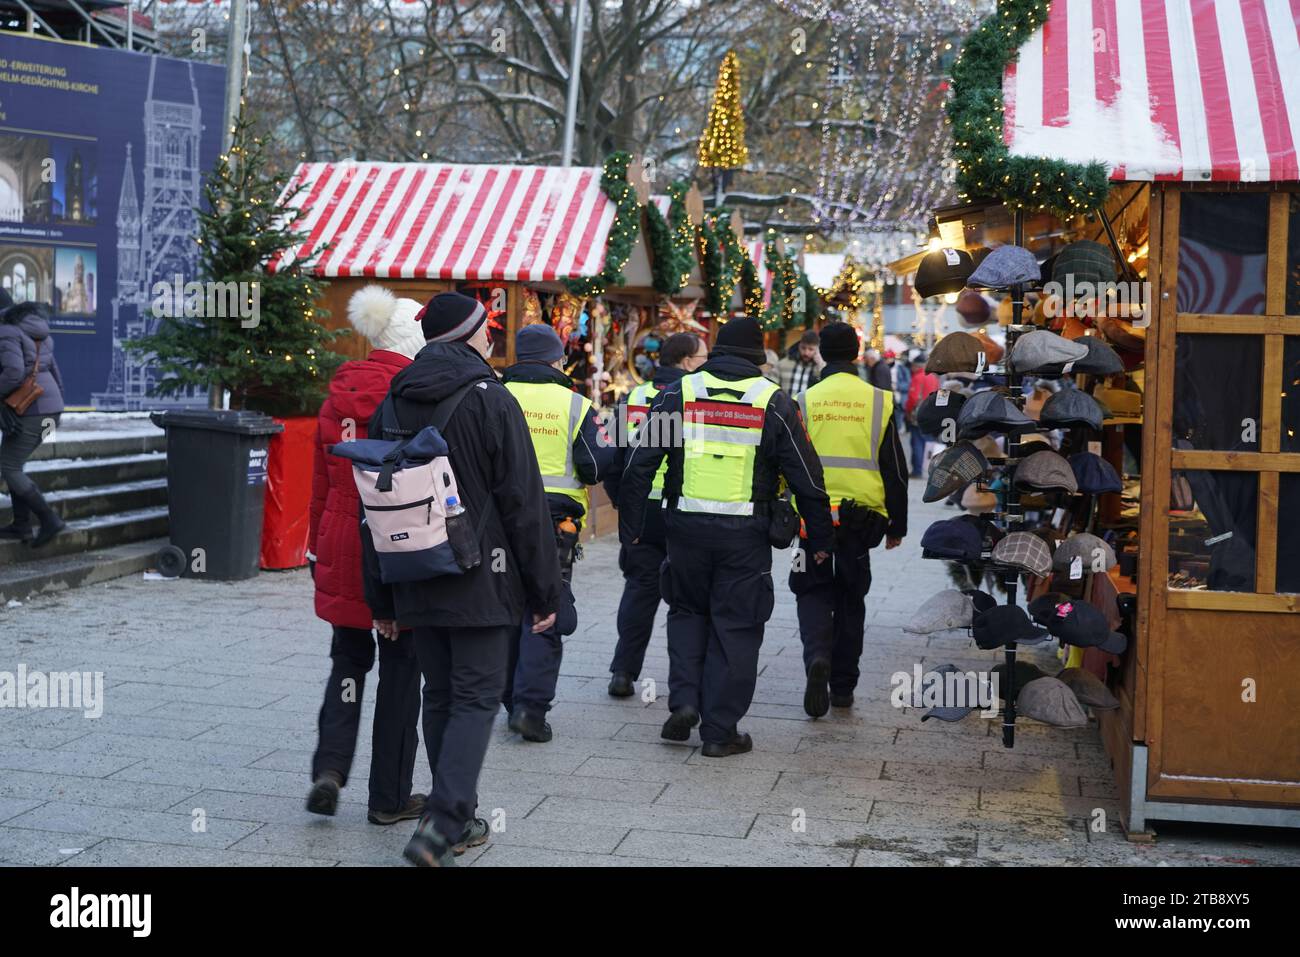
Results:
388 322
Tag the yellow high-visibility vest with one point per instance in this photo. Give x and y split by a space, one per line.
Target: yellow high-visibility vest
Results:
720 438
555 416
846 419
639 401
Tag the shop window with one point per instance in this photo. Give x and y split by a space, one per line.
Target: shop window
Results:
1223 253
1217 387
1291 395
1212 527
1288 533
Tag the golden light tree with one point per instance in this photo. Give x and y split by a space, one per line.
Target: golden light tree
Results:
722 146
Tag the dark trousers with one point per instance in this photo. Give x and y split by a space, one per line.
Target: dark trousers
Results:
464 675
534 668
918 449
397 709
720 579
21 437
831 602
640 565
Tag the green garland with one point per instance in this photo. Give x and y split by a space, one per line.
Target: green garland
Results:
614 183
984 165
722 261
671 241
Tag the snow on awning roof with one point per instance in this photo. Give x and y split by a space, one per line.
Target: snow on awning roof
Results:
1161 89
452 221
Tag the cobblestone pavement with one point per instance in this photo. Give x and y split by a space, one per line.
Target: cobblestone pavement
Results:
211 692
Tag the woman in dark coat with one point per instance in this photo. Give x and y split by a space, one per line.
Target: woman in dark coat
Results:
334 549
25 339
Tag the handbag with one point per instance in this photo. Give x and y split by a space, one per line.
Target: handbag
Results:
21 399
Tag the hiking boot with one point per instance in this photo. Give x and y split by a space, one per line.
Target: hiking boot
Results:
529 726
428 848
475 834
323 798
679 724
817 693
739 744
413 809
23 533
620 685
841 701
48 531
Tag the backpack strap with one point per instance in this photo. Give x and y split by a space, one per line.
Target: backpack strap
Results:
447 407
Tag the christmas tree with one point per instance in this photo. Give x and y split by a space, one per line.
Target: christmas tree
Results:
253 332
723 144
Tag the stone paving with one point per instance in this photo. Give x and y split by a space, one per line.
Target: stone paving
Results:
211 690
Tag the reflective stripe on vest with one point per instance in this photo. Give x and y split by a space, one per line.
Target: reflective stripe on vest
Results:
639 401
555 415
846 420
721 436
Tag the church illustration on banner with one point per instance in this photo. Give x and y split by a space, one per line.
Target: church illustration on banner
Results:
156 230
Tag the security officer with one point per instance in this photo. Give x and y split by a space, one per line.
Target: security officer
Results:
735 434
680 354
851 424
572 452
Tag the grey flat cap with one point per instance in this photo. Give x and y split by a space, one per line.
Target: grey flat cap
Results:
1088 689
1070 407
1052 702
1094 554
1006 266
944 611
1042 351
1046 471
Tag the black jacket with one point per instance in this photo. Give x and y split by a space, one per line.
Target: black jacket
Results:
783 452
893 465
593 453
665 377
492 456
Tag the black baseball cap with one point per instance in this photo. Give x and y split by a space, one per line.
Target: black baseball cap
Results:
1079 623
1003 625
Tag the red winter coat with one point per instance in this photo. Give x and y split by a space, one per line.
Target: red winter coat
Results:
334 539
923 383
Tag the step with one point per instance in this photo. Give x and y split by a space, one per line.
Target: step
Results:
52 475
77 503
89 534
82 444
46 575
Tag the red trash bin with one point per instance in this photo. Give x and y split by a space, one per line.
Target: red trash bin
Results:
286 510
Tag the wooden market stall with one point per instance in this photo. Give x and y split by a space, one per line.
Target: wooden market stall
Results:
1208 727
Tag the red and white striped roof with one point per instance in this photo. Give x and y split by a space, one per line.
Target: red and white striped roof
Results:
662 202
452 221
1161 89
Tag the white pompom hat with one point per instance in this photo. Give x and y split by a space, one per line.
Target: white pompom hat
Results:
388 322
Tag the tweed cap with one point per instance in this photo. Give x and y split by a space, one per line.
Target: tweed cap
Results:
958 352
1025 551
943 611
1084 261
1101 358
1045 353
1070 407
1094 554
1088 689
952 470
1052 702
1006 266
991 411
1046 471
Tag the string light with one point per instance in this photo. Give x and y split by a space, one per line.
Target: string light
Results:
722 146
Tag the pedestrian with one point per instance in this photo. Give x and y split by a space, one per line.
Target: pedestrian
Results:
30 380
879 369
739 435
922 386
902 385
851 425
463 625
334 554
640 563
572 453
801 365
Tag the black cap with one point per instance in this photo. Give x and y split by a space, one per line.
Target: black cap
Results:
741 337
1004 624
943 271
931 416
952 539
1079 623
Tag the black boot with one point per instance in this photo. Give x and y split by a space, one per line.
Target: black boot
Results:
739 744
23 533
324 795
817 693
34 503
679 724
529 726
620 685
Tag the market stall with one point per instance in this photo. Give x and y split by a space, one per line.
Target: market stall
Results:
1198 210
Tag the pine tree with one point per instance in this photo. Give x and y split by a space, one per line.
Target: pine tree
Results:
722 146
275 357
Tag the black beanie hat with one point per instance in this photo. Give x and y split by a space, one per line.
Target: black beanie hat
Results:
451 317
741 337
839 342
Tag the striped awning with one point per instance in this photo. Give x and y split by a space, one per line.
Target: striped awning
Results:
1161 89
452 221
